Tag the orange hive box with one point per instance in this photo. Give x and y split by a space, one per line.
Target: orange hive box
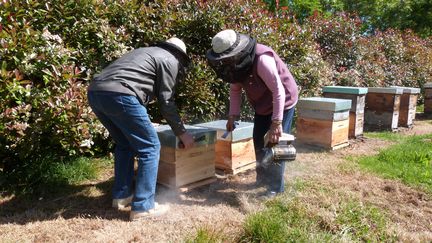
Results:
235 153
323 122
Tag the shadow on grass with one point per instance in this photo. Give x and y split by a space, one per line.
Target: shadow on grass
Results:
66 201
93 200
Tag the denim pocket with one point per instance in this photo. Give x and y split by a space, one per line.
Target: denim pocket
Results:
133 108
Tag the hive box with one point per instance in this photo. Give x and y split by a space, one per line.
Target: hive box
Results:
236 152
408 105
186 167
357 96
323 122
382 108
428 98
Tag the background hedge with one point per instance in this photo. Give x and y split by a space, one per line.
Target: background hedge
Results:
51 49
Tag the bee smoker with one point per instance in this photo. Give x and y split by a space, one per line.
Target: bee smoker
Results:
281 151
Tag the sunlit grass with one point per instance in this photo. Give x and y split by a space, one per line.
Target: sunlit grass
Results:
410 161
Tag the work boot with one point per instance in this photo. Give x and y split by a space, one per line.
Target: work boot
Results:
158 210
121 203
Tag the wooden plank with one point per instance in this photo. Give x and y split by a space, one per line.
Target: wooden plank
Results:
428 106
381 121
407 111
320 132
236 170
170 176
382 102
231 155
428 92
171 155
200 183
340 133
356 125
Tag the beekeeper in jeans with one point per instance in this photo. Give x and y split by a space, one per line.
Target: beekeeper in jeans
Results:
119 96
270 88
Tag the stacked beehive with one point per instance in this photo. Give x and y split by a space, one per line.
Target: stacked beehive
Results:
180 167
323 122
357 96
234 153
408 106
428 98
382 108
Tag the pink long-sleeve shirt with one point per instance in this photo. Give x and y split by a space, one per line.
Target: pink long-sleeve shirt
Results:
267 71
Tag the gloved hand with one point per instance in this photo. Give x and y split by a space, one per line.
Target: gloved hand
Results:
230 125
187 140
275 131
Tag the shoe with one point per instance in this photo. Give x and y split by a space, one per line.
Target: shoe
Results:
121 203
158 210
271 194
268 195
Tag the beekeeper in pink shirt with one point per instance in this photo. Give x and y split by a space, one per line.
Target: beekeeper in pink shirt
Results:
270 88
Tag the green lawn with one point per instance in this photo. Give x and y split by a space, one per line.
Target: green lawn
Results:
409 161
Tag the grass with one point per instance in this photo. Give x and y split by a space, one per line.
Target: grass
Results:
304 218
420 108
389 136
409 161
207 235
49 175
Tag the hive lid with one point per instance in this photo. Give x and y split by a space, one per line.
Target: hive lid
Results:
321 103
242 131
345 89
167 137
428 85
408 90
385 90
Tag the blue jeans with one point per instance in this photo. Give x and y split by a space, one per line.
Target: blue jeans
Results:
273 175
129 125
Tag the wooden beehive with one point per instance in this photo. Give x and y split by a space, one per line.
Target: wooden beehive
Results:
382 108
323 122
428 99
357 96
186 168
235 153
408 105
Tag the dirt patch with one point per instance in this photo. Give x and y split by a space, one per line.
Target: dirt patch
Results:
85 214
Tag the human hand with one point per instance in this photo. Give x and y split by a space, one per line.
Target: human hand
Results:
231 123
275 132
187 141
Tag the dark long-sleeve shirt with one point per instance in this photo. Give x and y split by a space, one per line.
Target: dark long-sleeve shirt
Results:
149 73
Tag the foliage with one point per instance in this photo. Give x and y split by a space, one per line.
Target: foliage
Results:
376 15
409 161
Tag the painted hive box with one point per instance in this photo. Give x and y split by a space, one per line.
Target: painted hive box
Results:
428 98
357 95
323 122
186 167
408 105
235 152
382 108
